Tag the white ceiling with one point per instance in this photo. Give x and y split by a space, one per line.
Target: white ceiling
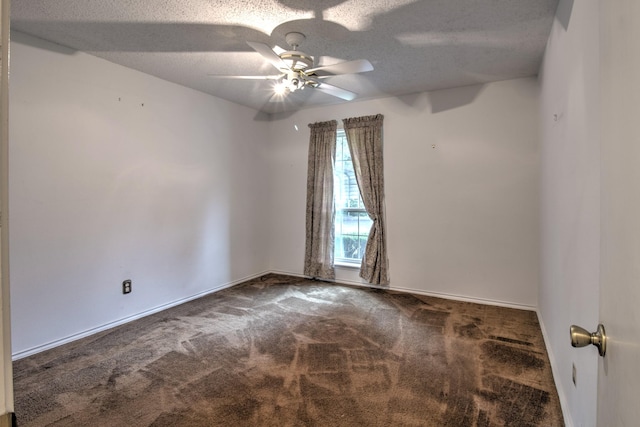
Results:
414 45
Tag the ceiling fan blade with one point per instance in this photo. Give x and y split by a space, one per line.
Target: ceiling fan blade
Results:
279 76
268 54
336 91
347 67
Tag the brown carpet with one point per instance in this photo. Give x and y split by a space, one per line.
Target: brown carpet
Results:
285 351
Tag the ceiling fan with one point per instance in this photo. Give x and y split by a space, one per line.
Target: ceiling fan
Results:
297 71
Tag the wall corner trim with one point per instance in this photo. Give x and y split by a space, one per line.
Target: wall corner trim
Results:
8 420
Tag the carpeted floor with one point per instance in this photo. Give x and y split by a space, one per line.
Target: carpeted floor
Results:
285 351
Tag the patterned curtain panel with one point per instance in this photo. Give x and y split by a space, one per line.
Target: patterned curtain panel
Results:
318 254
364 135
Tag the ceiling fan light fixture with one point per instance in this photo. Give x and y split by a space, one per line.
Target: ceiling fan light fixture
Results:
293 84
288 84
281 87
297 70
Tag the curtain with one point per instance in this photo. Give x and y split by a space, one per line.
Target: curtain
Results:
318 254
364 136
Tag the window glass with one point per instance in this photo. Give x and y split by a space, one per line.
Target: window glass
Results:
352 223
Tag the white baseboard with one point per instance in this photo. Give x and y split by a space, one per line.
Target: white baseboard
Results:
122 321
287 273
89 332
455 297
564 405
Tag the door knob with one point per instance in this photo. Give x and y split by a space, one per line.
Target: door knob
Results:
580 337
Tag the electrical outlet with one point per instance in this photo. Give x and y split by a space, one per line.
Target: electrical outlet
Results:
126 286
574 373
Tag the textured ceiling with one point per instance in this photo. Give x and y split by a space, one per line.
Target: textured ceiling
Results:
414 45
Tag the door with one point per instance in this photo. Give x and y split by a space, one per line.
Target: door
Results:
6 372
619 371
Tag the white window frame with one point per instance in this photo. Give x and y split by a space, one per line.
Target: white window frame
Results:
342 261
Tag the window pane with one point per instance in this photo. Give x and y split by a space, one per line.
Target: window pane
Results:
352 223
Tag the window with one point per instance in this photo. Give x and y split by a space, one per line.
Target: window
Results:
352 224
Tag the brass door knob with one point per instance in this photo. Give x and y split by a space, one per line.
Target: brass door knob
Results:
580 337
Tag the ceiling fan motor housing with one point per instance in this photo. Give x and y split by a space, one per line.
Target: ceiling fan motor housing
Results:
296 60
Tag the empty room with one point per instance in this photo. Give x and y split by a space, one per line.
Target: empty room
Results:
331 213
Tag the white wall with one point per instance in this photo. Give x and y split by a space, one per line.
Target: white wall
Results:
118 175
570 202
462 217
